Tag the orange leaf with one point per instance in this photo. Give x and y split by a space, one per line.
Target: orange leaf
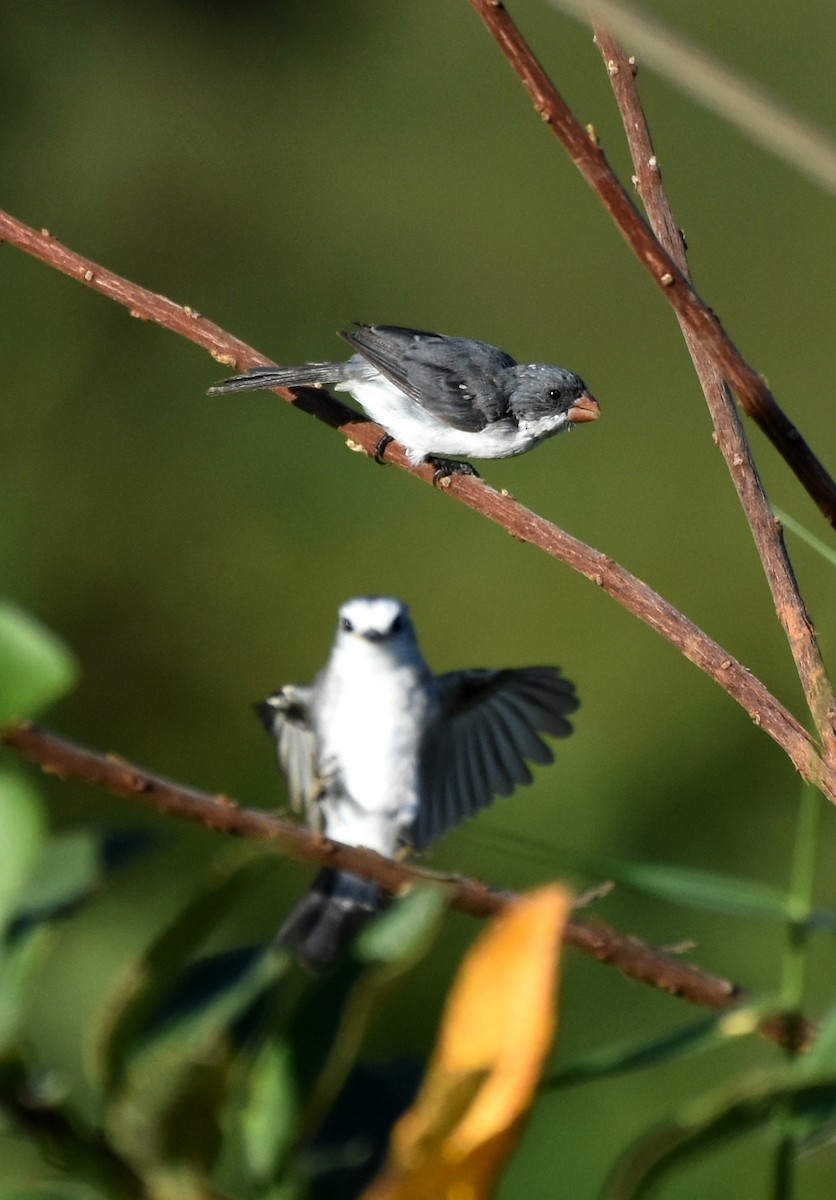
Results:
497 1029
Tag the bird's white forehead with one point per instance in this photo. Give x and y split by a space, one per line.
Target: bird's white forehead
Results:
372 612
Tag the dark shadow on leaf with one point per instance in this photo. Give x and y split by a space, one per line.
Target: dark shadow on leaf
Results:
349 1149
63 885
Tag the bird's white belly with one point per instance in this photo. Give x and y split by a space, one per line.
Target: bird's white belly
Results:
423 433
369 756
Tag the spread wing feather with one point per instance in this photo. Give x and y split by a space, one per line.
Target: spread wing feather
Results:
480 746
286 716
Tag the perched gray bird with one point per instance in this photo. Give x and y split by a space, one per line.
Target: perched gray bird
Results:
379 752
440 395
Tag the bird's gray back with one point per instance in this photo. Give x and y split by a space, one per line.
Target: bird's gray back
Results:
463 381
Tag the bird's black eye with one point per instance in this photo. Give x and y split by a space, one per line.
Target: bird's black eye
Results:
397 625
554 394
346 625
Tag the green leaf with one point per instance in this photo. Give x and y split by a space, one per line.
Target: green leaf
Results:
171 982
72 867
388 948
44 1159
36 668
705 890
258 1120
71 1190
816 1131
622 1057
713 1120
19 963
685 886
821 1058
822 548
67 871
169 1038
404 931
822 921
268 1110
22 831
164 1119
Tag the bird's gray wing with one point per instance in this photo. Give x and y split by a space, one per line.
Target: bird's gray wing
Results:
286 717
490 725
456 379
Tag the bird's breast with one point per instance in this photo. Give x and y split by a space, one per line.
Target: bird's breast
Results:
370 733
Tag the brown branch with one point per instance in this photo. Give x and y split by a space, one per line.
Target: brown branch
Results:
150 306
755 397
729 433
634 958
641 600
504 510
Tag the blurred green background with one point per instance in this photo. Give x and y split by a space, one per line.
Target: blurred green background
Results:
286 169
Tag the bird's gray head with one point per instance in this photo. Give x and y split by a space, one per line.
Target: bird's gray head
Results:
543 391
375 619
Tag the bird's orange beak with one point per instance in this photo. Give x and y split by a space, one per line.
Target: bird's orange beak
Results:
585 408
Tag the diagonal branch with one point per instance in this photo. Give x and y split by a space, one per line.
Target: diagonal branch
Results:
729 433
755 397
146 305
636 959
762 117
641 600
634 595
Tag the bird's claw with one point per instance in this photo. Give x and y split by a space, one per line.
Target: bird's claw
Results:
450 466
380 449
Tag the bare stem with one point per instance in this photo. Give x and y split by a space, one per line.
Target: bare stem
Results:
634 595
755 397
729 433
636 959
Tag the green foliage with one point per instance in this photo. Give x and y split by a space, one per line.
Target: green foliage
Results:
191 1052
821 548
631 1056
35 667
22 821
712 1120
205 1084
286 171
703 891
199 1084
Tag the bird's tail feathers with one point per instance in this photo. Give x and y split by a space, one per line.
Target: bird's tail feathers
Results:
328 917
261 378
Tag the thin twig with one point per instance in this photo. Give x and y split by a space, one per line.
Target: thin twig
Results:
755 397
729 433
641 600
636 959
146 305
759 114
634 595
